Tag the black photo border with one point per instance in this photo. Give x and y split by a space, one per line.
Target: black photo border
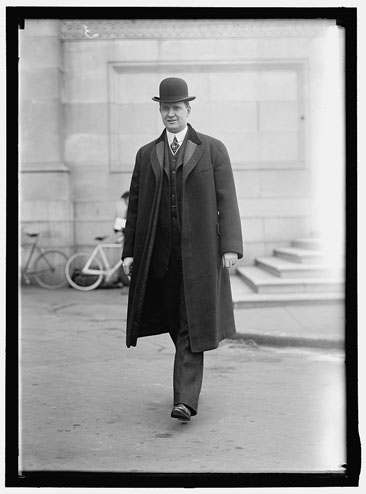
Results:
15 20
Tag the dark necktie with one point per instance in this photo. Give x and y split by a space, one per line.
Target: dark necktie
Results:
174 145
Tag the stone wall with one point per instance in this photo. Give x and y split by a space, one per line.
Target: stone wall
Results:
45 201
256 86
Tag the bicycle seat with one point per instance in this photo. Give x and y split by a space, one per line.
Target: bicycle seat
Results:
32 234
100 239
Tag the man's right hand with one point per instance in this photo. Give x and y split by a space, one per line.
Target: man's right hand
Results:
127 265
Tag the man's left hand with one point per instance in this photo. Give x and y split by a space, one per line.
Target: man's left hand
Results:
229 259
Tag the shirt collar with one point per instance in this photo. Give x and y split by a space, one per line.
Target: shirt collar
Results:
179 135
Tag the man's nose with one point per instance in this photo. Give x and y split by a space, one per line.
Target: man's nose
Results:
170 112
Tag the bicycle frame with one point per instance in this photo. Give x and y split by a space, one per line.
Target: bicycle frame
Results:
35 248
25 267
108 269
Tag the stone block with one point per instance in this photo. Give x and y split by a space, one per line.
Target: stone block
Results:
135 50
253 250
139 86
207 49
283 48
118 184
85 118
284 229
86 86
46 210
134 88
124 148
252 230
38 116
122 52
39 147
86 231
199 86
95 210
44 186
89 181
53 234
274 207
243 147
279 115
92 182
38 52
234 86
247 183
43 84
233 117
127 118
279 146
277 183
41 27
256 84
39 131
277 85
87 148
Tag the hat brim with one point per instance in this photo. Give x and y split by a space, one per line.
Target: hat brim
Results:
165 100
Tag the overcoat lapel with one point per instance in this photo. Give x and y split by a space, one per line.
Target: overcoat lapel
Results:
157 158
192 154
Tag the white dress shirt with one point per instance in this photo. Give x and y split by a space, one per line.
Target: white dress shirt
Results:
179 135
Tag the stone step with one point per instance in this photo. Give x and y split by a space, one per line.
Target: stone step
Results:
308 243
300 256
281 299
244 297
261 281
287 269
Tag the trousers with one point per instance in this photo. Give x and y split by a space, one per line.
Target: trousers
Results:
188 366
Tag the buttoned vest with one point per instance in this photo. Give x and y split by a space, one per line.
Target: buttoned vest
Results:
168 228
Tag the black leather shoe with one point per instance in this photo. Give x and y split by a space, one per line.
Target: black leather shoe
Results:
181 412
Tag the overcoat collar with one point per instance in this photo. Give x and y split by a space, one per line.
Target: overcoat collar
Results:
192 154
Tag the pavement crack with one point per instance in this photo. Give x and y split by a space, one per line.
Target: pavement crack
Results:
61 307
53 364
160 347
291 314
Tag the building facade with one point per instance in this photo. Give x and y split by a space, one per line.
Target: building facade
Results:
261 86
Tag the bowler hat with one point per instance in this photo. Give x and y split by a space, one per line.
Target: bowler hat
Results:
173 90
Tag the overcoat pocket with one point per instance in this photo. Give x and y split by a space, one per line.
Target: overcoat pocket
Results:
205 170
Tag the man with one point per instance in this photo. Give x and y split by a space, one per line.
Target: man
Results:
182 233
121 213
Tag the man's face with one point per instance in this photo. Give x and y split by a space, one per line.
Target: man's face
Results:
175 115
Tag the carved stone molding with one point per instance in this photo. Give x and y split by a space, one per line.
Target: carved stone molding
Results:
85 29
127 79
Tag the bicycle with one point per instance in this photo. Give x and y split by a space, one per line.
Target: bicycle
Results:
86 271
48 268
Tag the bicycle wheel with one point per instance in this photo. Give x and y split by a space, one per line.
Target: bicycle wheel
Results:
79 280
49 269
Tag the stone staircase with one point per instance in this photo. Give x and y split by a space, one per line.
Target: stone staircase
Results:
300 273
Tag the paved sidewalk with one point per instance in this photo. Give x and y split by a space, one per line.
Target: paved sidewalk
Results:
320 325
313 325
90 404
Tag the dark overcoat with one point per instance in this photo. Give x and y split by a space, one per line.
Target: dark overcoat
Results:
210 227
